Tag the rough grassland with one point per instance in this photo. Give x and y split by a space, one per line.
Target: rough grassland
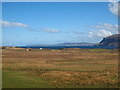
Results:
69 68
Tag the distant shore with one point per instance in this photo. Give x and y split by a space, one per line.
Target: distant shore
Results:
61 47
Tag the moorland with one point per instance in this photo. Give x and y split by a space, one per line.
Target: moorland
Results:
66 68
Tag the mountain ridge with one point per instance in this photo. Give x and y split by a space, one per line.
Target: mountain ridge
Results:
66 44
112 40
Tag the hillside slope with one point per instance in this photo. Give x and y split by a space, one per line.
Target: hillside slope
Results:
112 40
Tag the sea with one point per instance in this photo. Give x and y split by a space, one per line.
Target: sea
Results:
59 47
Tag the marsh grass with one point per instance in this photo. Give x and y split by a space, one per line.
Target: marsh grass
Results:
71 68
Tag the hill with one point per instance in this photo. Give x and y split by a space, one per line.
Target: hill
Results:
66 44
76 44
113 40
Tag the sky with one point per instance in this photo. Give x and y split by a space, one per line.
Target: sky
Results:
27 23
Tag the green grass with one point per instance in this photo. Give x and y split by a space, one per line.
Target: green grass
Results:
20 79
79 68
23 79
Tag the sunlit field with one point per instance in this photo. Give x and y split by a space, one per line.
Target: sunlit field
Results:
68 68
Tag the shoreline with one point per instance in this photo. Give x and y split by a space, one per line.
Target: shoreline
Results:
61 47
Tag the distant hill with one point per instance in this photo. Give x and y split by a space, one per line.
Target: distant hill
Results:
76 44
66 44
113 40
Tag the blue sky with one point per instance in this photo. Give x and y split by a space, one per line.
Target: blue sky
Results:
27 23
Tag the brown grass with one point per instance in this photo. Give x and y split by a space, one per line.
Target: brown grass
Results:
70 66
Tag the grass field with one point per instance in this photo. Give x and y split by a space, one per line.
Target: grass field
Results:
69 68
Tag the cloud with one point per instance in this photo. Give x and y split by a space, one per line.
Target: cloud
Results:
50 30
77 32
100 33
113 6
21 25
13 24
108 27
103 30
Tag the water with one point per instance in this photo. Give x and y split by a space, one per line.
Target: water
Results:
82 47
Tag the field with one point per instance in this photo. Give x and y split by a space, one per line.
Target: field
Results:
68 68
